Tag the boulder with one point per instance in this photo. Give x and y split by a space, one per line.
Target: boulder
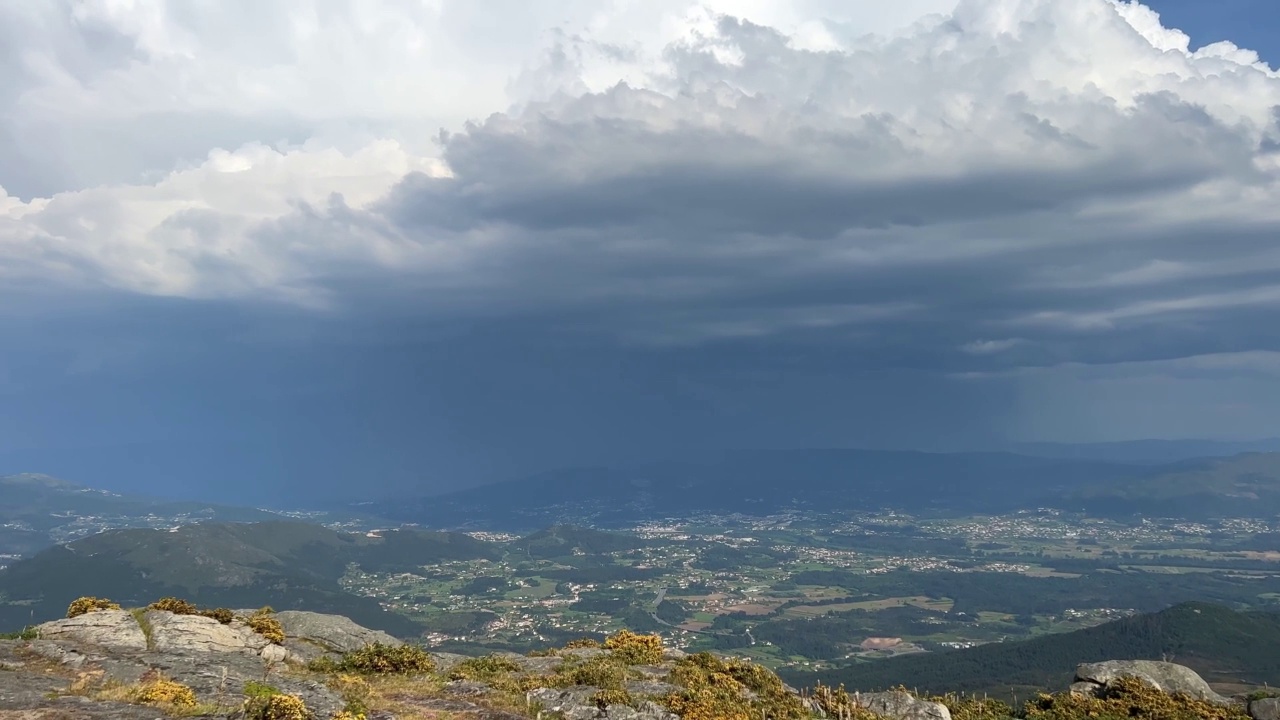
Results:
196 633
111 629
1164 676
1265 709
899 705
334 633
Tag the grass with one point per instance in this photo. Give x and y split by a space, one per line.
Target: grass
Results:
140 614
30 632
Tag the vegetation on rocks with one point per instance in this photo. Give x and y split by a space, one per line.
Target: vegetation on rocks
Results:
379 659
635 649
261 621
730 689
84 605
276 707
483 668
265 624
1129 698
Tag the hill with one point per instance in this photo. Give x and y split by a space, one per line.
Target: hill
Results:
290 565
37 511
936 484
561 541
1145 452
1240 486
761 483
1222 645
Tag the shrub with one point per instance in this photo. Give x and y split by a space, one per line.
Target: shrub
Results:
276 707
384 659
254 689
635 649
266 626
605 698
164 692
582 643
602 672
483 668
968 707
177 606
716 688
355 692
222 615
83 605
1129 698
29 632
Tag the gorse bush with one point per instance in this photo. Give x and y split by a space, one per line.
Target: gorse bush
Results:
267 626
164 693
83 605
276 707
379 659
177 606
635 649
603 672
713 687
222 615
605 698
582 643
1129 699
483 668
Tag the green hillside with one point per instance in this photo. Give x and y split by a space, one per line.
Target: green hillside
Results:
289 565
566 540
1223 645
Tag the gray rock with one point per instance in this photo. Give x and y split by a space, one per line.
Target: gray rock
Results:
1265 709
652 688
332 632
898 705
113 629
1087 689
1164 676
447 661
195 633
275 654
583 653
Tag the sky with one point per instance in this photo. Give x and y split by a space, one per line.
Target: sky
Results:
340 248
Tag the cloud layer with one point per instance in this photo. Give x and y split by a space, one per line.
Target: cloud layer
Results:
989 191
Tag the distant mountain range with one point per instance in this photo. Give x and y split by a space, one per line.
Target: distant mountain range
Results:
828 480
1145 452
1223 645
289 565
37 511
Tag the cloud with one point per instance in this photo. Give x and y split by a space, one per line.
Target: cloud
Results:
937 187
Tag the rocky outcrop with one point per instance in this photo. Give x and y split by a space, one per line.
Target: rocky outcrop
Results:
900 705
111 629
333 633
1167 677
1265 709
195 633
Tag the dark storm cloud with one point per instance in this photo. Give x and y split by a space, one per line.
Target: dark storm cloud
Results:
1030 219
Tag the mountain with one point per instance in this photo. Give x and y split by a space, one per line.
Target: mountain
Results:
37 511
1240 486
1145 452
566 540
760 483
765 482
289 565
1221 644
